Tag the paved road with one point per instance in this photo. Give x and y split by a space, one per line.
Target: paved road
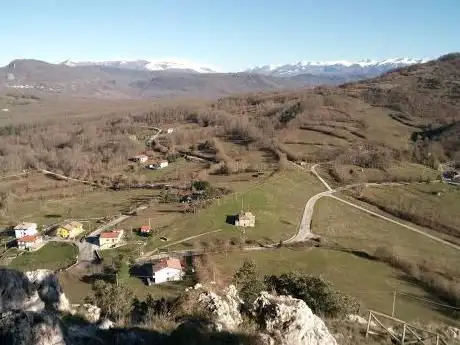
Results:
304 232
86 251
323 181
105 226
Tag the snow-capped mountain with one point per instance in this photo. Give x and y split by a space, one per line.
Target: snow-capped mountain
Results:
364 67
155 65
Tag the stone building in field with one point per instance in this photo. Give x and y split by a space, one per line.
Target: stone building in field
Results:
245 219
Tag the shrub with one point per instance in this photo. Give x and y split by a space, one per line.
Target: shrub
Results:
115 300
249 281
201 185
317 292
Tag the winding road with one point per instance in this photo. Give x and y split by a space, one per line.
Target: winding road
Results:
304 232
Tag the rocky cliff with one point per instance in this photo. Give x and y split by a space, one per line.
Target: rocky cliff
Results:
35 311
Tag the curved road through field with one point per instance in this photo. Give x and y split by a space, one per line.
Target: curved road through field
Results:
305 232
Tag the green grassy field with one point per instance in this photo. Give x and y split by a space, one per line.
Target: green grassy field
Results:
91 204
372 282
437 202
76 290
342 224
277 203
52 256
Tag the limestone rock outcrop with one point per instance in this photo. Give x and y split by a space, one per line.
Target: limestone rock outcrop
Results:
224 308
17 293
49 290
289 321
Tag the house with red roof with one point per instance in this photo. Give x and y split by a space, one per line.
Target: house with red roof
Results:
30 242
165 270
145 229
109 239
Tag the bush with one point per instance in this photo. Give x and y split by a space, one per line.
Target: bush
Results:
201 185
249 282
316 292
115 300
172 157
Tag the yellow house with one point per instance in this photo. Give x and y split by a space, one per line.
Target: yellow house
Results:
69 230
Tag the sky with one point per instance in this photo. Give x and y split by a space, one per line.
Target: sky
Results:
230 35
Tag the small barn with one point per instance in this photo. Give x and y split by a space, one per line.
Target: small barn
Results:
145 229
245 219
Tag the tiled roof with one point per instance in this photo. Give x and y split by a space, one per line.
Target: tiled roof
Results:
246 215
25 226
110 234
28 238
170 263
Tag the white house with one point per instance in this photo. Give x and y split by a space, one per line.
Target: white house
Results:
163 164
166 270
30 242
159 165
170 130
109 239
25 229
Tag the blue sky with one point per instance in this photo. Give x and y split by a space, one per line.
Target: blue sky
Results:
228 34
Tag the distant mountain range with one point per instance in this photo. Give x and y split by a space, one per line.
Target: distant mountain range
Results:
178 65
363 67
286 70
153 79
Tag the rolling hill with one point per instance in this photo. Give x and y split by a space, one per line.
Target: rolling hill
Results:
113 82
160 79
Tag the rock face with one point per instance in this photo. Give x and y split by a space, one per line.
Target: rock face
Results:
223 308
30 328
17 292
89 312
453 332
23 318
289 321
49 289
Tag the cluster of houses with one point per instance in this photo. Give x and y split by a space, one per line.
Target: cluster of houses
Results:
28 237
143 158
